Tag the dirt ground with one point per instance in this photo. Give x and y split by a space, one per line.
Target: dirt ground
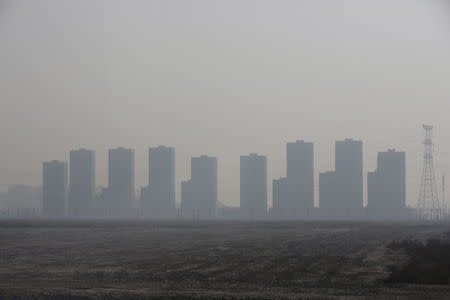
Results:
207 260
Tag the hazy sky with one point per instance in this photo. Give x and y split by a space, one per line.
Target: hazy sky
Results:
222 78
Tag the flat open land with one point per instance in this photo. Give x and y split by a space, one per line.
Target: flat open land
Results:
207 260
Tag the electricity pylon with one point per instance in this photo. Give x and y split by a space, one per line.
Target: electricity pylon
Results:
428 202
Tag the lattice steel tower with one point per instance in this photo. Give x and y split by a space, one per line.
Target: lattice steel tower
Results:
428 203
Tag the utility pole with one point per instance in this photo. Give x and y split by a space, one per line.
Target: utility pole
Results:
444 207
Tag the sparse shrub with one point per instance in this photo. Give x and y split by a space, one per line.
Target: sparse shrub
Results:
429 262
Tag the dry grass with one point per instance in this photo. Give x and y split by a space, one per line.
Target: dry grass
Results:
222 260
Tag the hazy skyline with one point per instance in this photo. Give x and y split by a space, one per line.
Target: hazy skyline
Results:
222 78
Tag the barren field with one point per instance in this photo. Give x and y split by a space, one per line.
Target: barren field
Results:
207 260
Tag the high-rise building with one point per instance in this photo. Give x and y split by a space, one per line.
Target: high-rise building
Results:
279 196
189 205
300 174
54 189
120 193
23 200
4 209
349 168
294 195
253 186
82 182
341 191
158 199
386 186
328 198
199 194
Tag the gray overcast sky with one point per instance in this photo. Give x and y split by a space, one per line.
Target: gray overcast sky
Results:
221 78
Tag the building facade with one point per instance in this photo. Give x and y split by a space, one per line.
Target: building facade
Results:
341 191
349 170
253 186
199 194
158 198
294 194
300 174
386 186
120 194
54 189
82 182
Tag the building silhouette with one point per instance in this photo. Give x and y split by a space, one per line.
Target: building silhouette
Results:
158 198
349 167
82 182
329 204
120 193
4 209
253 186
280 206
300 174
199 194
293 196
341 191
54 189
386 186
23 201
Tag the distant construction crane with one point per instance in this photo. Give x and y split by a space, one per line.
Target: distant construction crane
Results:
428 202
